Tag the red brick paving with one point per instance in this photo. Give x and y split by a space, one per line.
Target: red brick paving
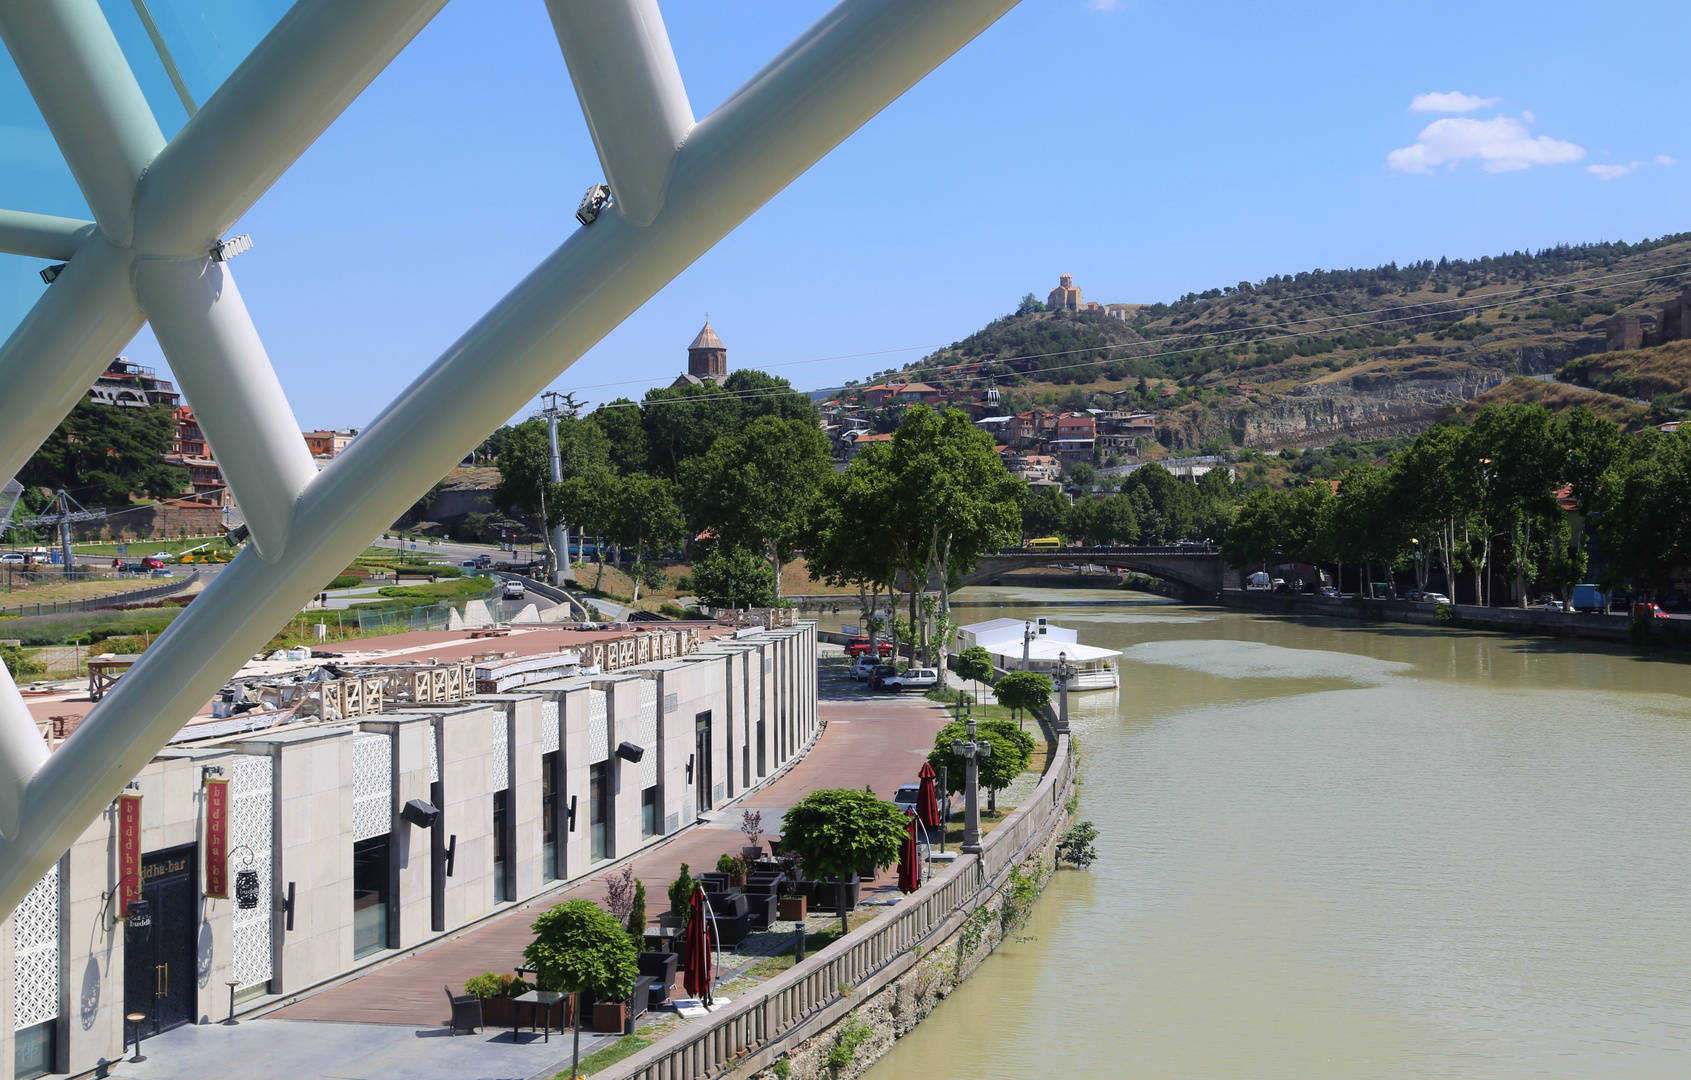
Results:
878 742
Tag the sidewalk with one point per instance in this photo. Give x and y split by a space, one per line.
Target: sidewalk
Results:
388 1023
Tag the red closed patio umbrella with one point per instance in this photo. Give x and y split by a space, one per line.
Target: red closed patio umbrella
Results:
696 966
927 802
909 862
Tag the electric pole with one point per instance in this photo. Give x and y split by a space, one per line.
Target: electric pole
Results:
562 569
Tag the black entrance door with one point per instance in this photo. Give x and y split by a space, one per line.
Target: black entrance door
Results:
159 963
701 759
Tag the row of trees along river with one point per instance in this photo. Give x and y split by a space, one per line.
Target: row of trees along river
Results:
1513 493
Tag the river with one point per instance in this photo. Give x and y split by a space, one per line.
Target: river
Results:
1335 850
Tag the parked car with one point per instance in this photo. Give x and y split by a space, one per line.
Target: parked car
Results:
1435 598
14 557
916 678
860 645
905 798
1328 590
880 674
514 590
1553 604
863 666
1646 609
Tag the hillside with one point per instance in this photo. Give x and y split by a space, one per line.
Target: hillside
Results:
1300 360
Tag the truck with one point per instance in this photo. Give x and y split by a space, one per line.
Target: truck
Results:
1590 598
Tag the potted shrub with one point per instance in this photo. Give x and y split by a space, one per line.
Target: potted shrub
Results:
679 890
738 868
793 905
751 825
496 992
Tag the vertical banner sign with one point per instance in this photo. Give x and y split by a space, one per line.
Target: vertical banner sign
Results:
128 851
217 838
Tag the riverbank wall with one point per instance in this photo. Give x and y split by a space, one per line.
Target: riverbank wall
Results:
1566 624
836 1014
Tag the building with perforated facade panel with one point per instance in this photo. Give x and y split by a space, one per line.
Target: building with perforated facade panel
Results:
534 789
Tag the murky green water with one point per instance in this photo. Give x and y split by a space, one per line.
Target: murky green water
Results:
1347 852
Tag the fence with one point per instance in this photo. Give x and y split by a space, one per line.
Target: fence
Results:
423 616
805 998
106 600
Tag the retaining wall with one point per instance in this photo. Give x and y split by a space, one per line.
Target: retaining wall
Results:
1571 624
889 974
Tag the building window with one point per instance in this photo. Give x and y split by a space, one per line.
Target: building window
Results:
599 811
370 896
549 812
33 1050
649 811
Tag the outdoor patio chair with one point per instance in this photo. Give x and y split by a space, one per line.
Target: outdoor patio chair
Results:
713 881
763 908
660 966
466 1012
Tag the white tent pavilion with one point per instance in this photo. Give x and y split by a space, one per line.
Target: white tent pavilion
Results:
1036 645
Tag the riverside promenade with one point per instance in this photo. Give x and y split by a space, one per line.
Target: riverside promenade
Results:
387 1023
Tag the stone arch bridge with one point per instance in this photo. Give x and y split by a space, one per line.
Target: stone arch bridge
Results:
1195 567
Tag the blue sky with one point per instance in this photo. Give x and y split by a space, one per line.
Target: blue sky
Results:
1148 148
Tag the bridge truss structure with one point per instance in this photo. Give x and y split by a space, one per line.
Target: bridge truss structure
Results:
155 252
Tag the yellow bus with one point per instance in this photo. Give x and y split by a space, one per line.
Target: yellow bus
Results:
1044 543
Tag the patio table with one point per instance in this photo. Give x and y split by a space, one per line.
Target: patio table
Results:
535 1000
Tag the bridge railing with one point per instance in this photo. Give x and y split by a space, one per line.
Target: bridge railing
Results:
1154 549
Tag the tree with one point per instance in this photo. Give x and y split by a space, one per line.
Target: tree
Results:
1045 512
1030 304
754 489
762 394
644 518
1023 691
841 831
105 455
1590 447
1259 529
578 946
1519 470
1012 749
975 664
732 577
683 422
637 915
847 540
625 434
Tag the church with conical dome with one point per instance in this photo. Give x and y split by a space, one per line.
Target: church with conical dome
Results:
707 360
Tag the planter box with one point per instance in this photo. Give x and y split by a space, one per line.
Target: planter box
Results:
794 908
609 1016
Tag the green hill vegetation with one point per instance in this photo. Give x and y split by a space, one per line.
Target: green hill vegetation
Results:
1301 359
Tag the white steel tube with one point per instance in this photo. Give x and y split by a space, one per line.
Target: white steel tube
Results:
630 89
62 345
42 236
841 72
213 348
309 67
21 752
76 72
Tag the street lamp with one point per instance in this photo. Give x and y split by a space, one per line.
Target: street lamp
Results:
971 752
1027 642
1063 672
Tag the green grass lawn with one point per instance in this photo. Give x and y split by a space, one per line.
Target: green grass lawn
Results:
625 1047
140 548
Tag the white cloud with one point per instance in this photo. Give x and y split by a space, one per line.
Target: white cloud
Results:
1501 145
1610 172
1615 172
1453 102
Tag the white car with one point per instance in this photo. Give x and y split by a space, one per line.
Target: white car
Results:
14 557
905 798
862 666
514 590
1554 605
162 555
1435 598
917 678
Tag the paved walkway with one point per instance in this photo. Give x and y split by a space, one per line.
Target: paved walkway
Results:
388 1023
